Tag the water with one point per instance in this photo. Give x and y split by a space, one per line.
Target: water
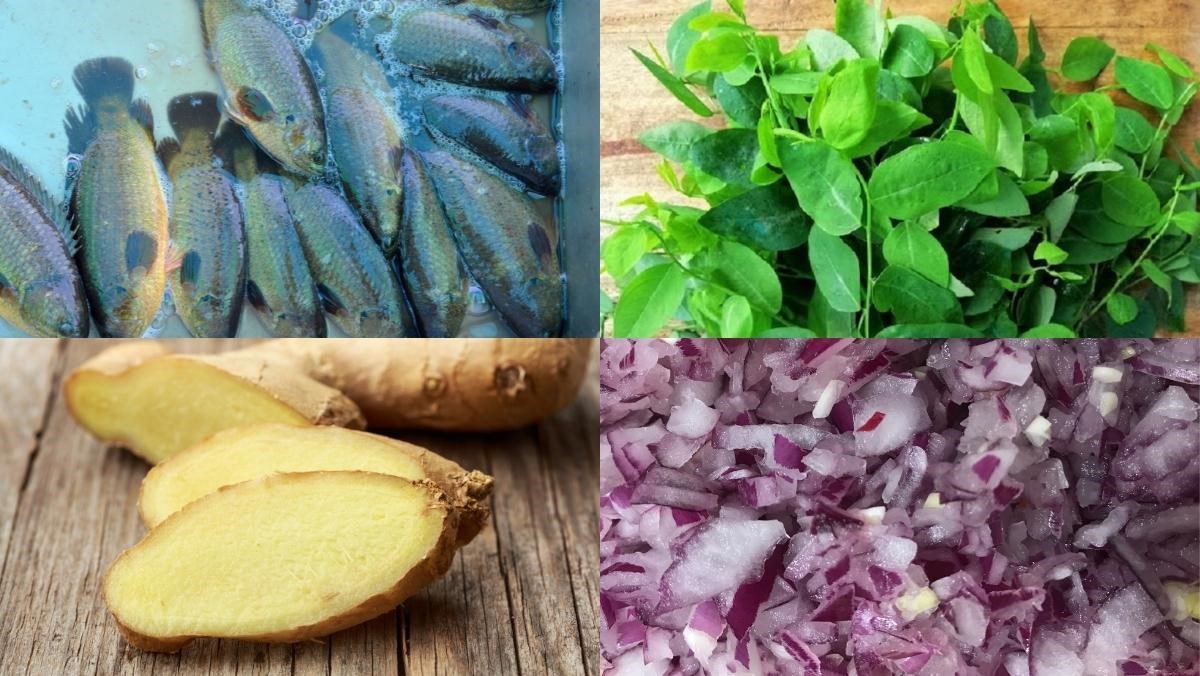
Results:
164 42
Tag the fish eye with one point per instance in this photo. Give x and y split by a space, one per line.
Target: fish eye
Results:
290 119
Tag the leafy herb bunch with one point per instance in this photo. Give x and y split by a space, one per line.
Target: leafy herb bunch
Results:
897 178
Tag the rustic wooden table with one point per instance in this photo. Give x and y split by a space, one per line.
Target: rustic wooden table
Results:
520 599
631 101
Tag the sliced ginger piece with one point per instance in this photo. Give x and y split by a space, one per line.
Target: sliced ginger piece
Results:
285 558
255 451
157 404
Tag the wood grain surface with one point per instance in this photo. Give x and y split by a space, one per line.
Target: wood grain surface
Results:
520 599
632 101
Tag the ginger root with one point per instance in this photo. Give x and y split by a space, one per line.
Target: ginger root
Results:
287 557
255 451
157 404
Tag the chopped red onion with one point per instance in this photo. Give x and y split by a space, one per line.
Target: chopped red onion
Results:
818 507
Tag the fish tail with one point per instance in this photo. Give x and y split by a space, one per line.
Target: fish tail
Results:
194 112
238 154
103 78
168 150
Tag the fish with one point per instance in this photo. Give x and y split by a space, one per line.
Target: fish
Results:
279 285
41 292
118 201
358 285
363 132
429 264
506 244
518 6
505 133
472 49
207 260
270 88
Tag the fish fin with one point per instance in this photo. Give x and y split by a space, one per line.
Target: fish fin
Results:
20 174
520 105
8 292
540 241
484 20
189 268
329 300
254 105
104 78
141 250
80 125
396 155
195 111
256 298
168 150
142 114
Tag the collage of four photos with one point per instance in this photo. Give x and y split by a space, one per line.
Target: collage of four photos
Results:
600 337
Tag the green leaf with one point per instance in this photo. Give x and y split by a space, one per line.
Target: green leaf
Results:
1172 62
999 36
742 271
1049 252
623 249
1004 76
893 120
649 301
1188 222
674 85
681 37
1122 308
835 267
912 299
804 84
826 321
1157 276
1009 239
860 24
1097 167
828 48
1100 111
909 53
1146 82
787 332
1040 306
1130 201
929 331
718 53
911 246
1085 252
849 109
1085 58
673 140
1049 331
826 185
1133 133
970 50
1010 202
998 127
727 154
766 217
737 320
766 136
926 177
742 104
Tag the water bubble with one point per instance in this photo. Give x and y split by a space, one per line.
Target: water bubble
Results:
141 72
56 83
153 47
178 62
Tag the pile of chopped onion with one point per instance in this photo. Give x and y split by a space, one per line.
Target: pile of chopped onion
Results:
960 507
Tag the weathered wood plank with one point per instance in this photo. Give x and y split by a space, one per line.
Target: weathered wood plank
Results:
498 611
25 389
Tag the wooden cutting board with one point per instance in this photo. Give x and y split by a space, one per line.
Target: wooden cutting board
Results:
520 599
632 101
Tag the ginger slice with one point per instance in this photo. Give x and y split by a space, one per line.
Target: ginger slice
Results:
284 558
255 451
157 404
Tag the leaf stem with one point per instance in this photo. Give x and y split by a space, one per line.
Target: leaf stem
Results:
691 272
865 320
1166 224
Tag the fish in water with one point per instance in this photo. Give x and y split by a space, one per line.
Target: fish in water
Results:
507 245
358 286
505 133
519 6
430 267
472 49
279 285
271 91
41 292
363 132
118 203
207 252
